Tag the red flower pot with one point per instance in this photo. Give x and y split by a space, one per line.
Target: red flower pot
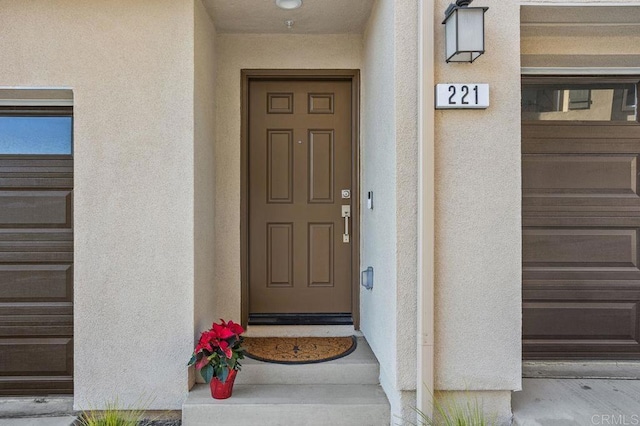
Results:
221 390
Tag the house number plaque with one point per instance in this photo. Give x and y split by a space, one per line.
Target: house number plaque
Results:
462 96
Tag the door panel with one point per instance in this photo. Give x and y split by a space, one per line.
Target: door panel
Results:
300 158
581 218
36 275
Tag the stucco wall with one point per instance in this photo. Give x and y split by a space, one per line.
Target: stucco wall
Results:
389 169
478 203
377 306
204 190
605 44
235 52
580 2
130 65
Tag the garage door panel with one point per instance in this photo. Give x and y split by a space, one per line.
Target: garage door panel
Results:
20 163
570 204
571 320
573 174
585 146
36 385
34 182
35 308
36 257
35 209
569 130
38 325
553 288
584 274
595 248
32 172
36 234
36 246
41 283
621 220
24 357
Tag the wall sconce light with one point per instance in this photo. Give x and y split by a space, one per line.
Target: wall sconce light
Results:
464 31
288 4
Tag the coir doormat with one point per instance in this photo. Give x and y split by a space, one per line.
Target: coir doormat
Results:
298 350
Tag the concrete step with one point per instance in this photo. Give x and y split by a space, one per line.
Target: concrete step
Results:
39 421
359 368
272 405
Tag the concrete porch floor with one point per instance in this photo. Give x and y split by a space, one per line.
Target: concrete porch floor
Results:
567 402
342 392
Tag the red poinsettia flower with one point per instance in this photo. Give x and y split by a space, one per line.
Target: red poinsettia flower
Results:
219 350
224 346
205 342
222 331
235 328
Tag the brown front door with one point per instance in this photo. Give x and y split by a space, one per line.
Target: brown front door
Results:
300 159
581 219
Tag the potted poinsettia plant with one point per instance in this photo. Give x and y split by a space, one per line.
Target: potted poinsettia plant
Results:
217 356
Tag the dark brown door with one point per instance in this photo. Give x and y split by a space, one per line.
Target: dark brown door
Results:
581 222
300 161
36 257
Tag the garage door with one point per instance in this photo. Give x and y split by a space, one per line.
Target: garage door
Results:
581 219
36 252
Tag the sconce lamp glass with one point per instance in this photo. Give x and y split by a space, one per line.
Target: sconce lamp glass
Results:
288 4
464 32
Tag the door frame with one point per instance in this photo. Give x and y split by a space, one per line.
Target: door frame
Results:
352 75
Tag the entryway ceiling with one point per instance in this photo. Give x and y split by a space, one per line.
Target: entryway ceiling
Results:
314 17
580 21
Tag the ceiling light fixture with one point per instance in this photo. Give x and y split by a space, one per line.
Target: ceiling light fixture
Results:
288 4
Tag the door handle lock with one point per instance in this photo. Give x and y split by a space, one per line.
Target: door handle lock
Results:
346 214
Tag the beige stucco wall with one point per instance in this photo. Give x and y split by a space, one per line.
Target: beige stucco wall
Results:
379 230
478 203
204 173
581 40
130 65
389 169
606 44
235 52
579 2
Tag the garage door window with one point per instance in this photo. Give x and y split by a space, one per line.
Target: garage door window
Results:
580 102
36 132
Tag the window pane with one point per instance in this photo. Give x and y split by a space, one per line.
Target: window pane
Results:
579 102
35 135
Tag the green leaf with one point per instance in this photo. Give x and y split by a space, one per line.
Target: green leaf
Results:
192 360
207 373
225 374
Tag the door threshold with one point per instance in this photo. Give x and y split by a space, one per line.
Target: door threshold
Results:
300 319
301 331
